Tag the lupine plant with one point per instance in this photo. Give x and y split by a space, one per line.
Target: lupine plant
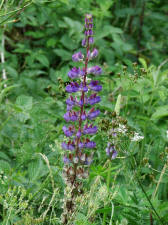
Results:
78 156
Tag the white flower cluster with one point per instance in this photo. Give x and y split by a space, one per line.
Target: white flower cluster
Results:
137 137
121 129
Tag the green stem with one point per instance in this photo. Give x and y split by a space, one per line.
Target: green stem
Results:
108 188
143 190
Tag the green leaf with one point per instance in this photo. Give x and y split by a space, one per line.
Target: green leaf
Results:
34 169
143 62
25 102
4 156
65 55
4 166
43 60
161 111
118 105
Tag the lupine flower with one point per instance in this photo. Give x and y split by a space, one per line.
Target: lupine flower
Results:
71 101
84 42
72 87
77 57
66 160
78 131
91 40
96 70
68 131
89 129
90 144
111 151
71 116
93 99
94 85
93 113
94 53
75 73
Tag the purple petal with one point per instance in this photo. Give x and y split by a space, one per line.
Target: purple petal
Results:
93 114
90 144
84 42
96 70
77 57
114 154
66 160
94 53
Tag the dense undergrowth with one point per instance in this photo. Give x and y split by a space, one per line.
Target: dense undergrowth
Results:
38 45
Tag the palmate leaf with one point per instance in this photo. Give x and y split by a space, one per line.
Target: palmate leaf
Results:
25 102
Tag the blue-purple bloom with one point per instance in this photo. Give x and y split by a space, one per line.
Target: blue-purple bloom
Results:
77 57
94 53
84 42
111 151
68 146
96 70
75 73
71 116
78 130
94 85
90 144
68 131
66 160
72 87
93 113
93 99
89 129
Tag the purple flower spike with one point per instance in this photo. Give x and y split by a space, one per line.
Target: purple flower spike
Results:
94 85
89 129
78 132
77 57
93 113
75 73
96 70
72 87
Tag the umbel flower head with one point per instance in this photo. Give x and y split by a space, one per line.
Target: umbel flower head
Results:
80 118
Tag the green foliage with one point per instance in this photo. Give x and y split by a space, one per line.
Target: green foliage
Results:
40 37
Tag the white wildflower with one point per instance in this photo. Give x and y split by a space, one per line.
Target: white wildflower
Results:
121 129
137 137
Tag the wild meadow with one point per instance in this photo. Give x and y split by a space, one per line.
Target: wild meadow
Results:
84 112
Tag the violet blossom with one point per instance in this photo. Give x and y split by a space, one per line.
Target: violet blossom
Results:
81 119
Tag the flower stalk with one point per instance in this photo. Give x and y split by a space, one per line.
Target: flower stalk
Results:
78 157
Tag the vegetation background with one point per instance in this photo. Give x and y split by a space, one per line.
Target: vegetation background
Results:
37 40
